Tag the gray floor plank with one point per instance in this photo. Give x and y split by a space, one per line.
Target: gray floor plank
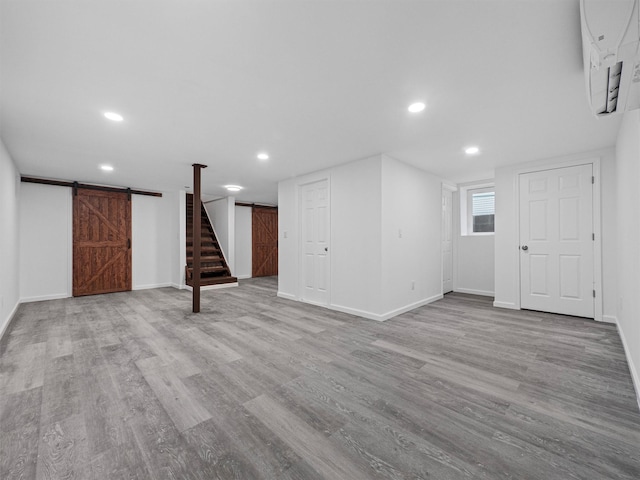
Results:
133 385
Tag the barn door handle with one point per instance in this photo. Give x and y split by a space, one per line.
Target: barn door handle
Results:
128 243
525 248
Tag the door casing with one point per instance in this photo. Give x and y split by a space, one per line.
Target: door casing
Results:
597 222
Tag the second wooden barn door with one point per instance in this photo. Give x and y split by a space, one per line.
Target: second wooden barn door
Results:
265 241
101 242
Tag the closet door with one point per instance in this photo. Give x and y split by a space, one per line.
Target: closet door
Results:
101 242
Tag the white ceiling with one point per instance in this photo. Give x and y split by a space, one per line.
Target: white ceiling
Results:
313 83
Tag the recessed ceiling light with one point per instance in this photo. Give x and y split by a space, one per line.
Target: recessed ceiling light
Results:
263 156
416 107
233 188
471 150
106 168
116 117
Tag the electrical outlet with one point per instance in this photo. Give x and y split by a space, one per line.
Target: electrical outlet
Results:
285 234
399 233
413 285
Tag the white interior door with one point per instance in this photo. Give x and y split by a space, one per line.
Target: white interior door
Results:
314 202
447 240
556 241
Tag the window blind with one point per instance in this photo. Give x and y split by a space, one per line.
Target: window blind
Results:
483 203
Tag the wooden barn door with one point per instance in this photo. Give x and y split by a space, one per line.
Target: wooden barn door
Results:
265 241
101 242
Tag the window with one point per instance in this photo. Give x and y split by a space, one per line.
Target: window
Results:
478 209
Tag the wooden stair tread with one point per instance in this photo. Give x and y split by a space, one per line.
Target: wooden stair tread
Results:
213 266
213 281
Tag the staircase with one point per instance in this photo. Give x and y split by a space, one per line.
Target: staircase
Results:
213 267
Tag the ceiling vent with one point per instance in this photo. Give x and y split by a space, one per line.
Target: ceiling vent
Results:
610 46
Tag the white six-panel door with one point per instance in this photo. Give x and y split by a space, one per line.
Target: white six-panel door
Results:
556 241
314 204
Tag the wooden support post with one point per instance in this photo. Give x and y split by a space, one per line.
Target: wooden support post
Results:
197 223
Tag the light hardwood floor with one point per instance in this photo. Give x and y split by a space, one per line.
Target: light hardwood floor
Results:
132 385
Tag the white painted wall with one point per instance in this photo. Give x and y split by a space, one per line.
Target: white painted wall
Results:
475 265
243 239
355 241
473 258
372 268
9 244
355 249
628 233
411 237
153 241
222 214
506 236
47 266
46 229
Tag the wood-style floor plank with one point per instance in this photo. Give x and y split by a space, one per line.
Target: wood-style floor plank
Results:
133 385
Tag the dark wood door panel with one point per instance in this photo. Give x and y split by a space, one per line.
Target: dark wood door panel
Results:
265 241
101 242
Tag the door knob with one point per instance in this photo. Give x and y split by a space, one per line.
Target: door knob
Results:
524 247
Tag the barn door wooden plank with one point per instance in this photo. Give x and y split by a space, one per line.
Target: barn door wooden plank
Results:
101 242
265 241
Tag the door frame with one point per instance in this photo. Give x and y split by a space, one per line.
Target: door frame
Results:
597 224
299 202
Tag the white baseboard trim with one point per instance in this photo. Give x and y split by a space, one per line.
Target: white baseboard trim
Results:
632 368
212 287
609 319
509 305
385 316
411 306
150 286
288 296
243 277
8 320
42 298
363 313
471 291
177 285
356 312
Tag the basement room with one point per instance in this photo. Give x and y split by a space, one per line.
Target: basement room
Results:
307 240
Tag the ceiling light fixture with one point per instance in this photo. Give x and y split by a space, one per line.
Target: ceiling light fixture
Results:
471 150
263 156
106 168
233 188
416 107
116 117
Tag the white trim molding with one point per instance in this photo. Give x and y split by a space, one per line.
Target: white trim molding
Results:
42 298
509 305
9 320
635 378
287 296
610 319
471 291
